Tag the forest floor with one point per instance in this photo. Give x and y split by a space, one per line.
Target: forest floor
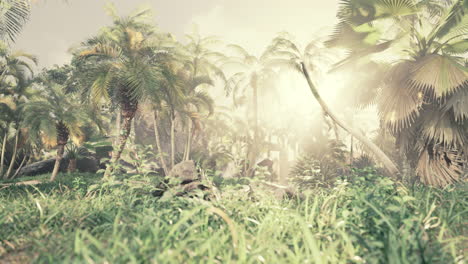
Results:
369 219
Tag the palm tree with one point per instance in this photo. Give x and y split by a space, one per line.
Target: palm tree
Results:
6 114
254 72
16 71
13 15
126 68
193 104
200 70
54 119
421 92
284 52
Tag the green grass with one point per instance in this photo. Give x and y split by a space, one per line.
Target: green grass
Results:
367 220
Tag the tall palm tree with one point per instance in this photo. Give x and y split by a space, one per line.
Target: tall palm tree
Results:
55 118
252 76
13 15
201 68
16 72
422 89
126 68
284 52
6 117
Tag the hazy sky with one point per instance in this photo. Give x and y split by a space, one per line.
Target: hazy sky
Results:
56 25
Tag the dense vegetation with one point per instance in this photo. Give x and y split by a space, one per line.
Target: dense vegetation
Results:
368 219
135 104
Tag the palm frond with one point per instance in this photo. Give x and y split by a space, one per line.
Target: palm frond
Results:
458 103
13 15
438 73
439 166
456 17
441 128
398 104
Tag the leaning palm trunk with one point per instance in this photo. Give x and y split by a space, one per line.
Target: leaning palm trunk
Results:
62 139
158 142
25 160
172 140
13 156
389 165
2 158
58 160
127 115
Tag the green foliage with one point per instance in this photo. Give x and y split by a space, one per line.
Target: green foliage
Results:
416 53
320 165
75 152
13 16
366 219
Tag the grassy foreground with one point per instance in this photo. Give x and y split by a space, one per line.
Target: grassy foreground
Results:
369 220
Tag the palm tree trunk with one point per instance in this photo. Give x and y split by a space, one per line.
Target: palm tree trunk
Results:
269 146
158 142
62 138
172 140
2 158
189 140
118 122
71 166
253 157
386 161
351 152
25 160
123 137
284 163
58 160
255 105
13 156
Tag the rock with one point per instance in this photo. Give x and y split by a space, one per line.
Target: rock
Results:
42 167
231 171
184 171
103 152
87 164
268 163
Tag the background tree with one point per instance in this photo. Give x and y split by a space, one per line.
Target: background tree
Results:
283 52
201 69
421 92
16 72
53 119
127 69
253 74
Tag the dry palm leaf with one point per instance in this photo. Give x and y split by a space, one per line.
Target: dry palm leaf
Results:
399 105
458 102
439 167
440 127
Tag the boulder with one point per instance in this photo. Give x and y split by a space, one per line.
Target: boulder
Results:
230 171
42 167
187 184
268 164
86 164
184 171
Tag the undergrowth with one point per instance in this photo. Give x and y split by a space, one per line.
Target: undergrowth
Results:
363 219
